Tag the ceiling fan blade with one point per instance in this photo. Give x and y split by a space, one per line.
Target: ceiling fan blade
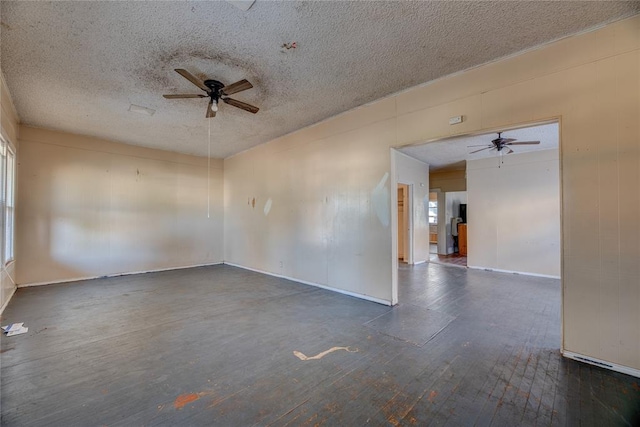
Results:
243 105
507 140
237 87
179 96
210 112
482 149
523 143
193 79
477 145
510 150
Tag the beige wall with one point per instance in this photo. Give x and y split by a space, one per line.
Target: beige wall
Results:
446 181
89 207
324 226
514 213
9 128
329 198
8 116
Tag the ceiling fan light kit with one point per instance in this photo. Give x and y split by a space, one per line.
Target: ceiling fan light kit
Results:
216 91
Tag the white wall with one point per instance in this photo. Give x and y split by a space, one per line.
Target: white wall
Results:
514 213
327 226
89 207
416 173
453 199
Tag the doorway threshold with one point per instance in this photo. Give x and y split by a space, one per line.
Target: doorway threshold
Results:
453 259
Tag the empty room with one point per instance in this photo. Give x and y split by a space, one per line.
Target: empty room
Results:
245 213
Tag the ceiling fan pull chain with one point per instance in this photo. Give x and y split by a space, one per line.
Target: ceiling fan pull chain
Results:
209 174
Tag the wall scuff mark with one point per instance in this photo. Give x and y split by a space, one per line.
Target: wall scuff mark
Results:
380 200
289 46
267 206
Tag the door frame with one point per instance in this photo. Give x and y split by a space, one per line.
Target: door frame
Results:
484 131
408 219
409 241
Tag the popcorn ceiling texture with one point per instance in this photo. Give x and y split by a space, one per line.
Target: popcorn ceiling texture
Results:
77 66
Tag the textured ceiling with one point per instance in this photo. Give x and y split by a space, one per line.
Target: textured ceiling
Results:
77 66
452 153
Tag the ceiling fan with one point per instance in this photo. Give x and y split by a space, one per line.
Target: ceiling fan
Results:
499 143
215 91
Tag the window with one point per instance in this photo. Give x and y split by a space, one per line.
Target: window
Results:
10 206
433 212
7 202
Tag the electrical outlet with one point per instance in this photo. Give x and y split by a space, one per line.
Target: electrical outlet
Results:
281 264
455 120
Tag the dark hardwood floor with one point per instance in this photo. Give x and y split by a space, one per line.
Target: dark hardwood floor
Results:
215 346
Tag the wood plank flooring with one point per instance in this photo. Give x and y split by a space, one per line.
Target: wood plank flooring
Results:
215 346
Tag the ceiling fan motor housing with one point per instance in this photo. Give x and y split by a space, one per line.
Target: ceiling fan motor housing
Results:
215 87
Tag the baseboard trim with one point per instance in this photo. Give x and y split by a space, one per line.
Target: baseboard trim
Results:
497 270
317 285
601 363
420 262
79 279
6 303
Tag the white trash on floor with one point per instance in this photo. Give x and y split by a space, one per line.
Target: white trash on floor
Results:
15 329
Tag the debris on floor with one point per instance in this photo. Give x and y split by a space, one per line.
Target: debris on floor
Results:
302 356
15 329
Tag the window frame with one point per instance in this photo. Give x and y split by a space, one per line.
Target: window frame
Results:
8 252
7 200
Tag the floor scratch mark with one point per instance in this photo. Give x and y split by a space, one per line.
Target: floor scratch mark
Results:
611 410
288 412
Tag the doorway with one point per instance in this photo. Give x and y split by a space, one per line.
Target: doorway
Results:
405 208
433 223
512 183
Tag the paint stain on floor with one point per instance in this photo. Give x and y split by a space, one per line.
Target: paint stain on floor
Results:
302 356
185 399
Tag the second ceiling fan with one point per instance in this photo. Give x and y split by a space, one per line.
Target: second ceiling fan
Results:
215 91
499 143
